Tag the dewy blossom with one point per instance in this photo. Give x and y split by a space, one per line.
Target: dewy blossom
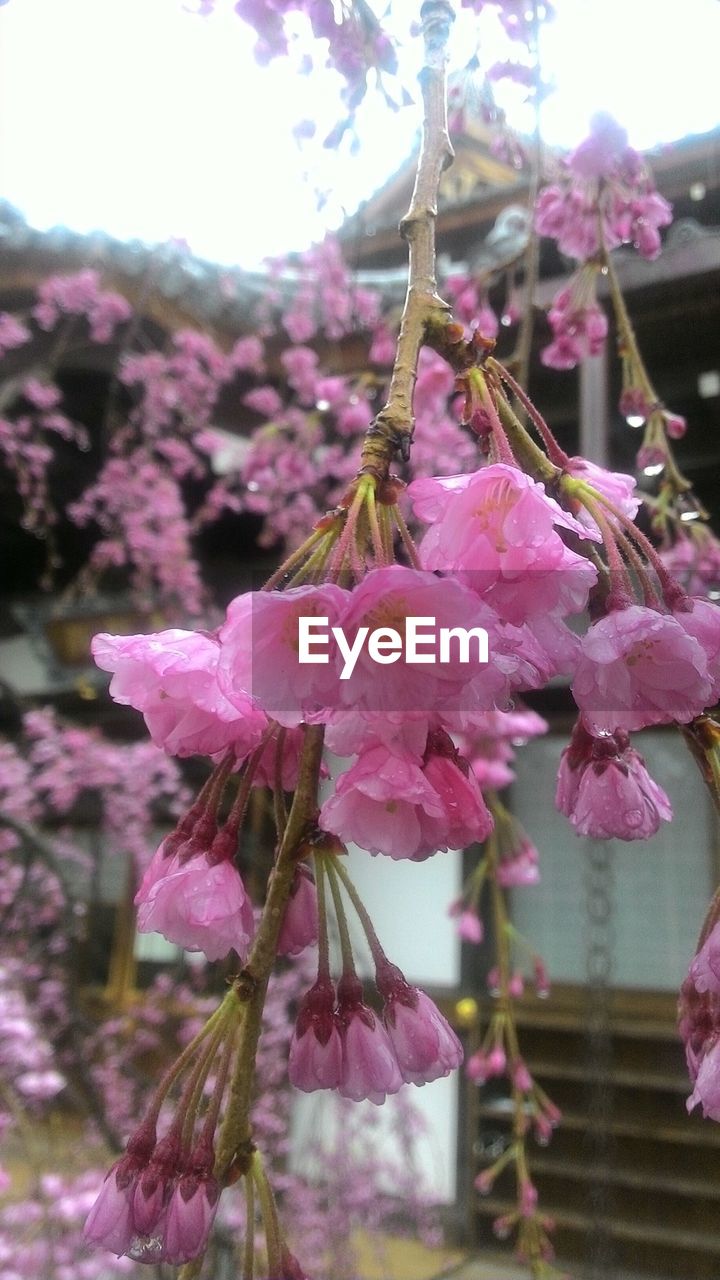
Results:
171 677
605 789
496 529
196 903
637 668
389 802
158 1202
619 489
190 1215
701 620
425 1045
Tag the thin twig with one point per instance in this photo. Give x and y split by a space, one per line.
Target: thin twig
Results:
392 430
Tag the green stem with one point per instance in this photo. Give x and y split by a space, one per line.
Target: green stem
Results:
229 1008
531 458
368 928
248 1270
323 940
268 1209
294 559
408 541
345 943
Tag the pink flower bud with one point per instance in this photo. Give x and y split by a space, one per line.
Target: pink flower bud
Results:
315 1060
190 1216
528 1198
300 922
496 1060
425 1045
369 1064
675 425
521 1077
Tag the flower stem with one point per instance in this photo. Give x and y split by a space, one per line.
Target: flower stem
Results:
248 1270
268 1209
323 942
345 943
368 928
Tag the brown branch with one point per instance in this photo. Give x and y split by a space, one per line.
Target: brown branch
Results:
520 360
392 430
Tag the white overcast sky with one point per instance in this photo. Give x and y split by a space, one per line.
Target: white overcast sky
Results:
138 117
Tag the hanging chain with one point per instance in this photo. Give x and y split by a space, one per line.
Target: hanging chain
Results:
599 1139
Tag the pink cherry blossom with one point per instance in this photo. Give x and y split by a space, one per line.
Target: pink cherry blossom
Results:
198 905
260 652
701 620
618 488
40 1084
425 1046
638 668
469 925
171 677
466 818
706 1090
384 803
699 1027
349 732
386 598
605 197
694 559
497 529
483 1065
518 865
110 1221
606 791
597 155
579 324
149 1200
13 333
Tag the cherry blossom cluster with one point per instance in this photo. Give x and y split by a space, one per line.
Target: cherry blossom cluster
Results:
604 197
27 440
354 43
301 455
56 763
137 498
504 554
81 295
